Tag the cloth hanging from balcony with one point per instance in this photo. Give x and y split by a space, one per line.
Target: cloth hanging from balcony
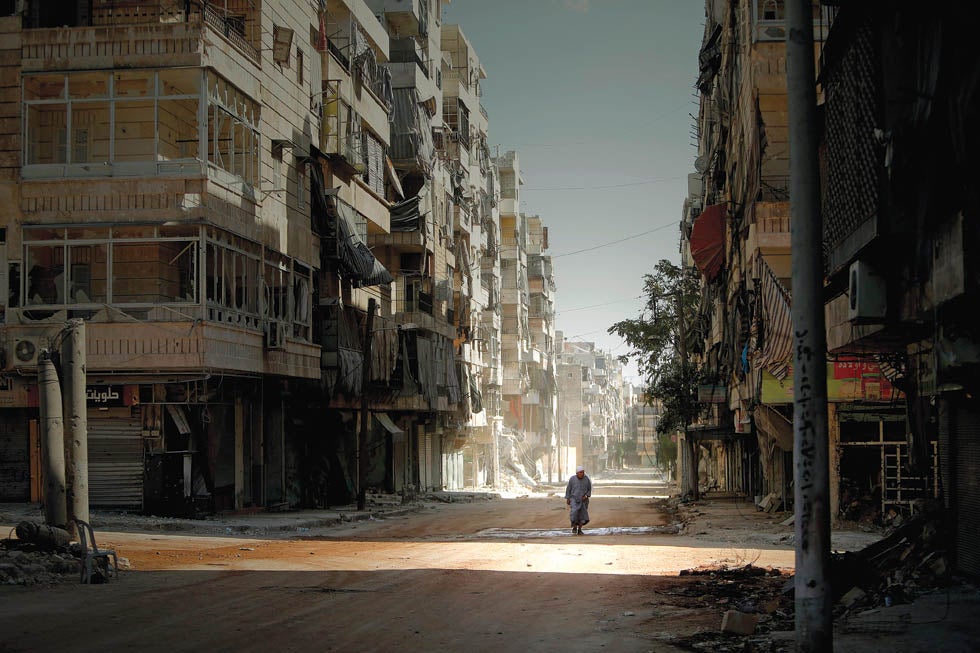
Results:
708 241
356 260
452 381
771 335
428 380
405 216
476 399
411 131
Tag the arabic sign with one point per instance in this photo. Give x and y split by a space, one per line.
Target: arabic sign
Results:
847 381
108 396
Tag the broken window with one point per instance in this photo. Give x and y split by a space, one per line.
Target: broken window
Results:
134 118
232 132
232 280
149 265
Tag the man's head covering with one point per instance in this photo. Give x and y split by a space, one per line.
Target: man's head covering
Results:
579 469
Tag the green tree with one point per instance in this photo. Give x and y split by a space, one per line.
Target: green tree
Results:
665 342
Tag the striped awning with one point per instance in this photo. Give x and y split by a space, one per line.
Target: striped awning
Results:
772 328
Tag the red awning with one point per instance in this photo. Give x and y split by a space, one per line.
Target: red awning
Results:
708 241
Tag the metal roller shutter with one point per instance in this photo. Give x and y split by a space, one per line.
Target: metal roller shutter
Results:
965 445
115 460
15 467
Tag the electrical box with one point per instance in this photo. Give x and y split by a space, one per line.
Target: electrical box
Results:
867 294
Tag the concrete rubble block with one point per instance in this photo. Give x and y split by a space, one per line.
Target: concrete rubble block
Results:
739 623
853 596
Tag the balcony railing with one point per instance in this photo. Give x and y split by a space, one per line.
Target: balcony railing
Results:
232 27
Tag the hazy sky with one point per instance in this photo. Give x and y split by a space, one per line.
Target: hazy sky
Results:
594 95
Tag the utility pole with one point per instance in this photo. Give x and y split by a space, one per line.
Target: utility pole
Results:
362 438
814 622
76 419
52 444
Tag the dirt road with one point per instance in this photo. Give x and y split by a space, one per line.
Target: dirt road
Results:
494 575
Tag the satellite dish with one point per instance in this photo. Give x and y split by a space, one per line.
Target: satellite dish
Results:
701 164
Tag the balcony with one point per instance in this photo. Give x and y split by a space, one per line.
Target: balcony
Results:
769 228
131 46
408 17
184 348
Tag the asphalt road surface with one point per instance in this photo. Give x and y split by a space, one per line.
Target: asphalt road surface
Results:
498 575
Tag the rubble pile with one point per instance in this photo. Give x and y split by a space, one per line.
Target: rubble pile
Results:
750 604
894 570
26 563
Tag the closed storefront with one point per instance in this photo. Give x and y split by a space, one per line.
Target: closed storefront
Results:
15 456
960 452
115 458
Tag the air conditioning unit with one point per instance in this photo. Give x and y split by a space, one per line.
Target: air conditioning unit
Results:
866 294
25 350
275 336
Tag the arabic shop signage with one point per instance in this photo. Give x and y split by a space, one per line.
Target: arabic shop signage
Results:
111 396
847 381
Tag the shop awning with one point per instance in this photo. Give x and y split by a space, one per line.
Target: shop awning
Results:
709 433
708 241
389 426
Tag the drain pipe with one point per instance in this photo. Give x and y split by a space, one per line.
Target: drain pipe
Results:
52 443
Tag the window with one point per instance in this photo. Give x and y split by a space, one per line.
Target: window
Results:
299 67
233 137
134 118
139 264
300 186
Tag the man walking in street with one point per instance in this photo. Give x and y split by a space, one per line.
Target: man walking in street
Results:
577 495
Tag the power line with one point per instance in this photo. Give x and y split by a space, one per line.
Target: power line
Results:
634 183
614 242
582 308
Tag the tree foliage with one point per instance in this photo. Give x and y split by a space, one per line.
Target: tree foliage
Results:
654 338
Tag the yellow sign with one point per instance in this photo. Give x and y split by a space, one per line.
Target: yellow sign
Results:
847 381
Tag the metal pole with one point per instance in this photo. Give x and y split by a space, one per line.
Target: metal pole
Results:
53 444
814 623
362 439
76 424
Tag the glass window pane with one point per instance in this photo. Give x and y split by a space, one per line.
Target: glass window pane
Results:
133 84
180 81
44 87
134 231
88 233
178 271
87 274
135 132
90 132
174 230
45 275
179 130
47 126
147 272
88 85
43 233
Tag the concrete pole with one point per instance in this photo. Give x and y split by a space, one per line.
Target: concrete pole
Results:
362 439
52 445
814 623
76 425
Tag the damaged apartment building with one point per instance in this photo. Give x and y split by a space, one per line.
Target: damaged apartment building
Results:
895 86
229 192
